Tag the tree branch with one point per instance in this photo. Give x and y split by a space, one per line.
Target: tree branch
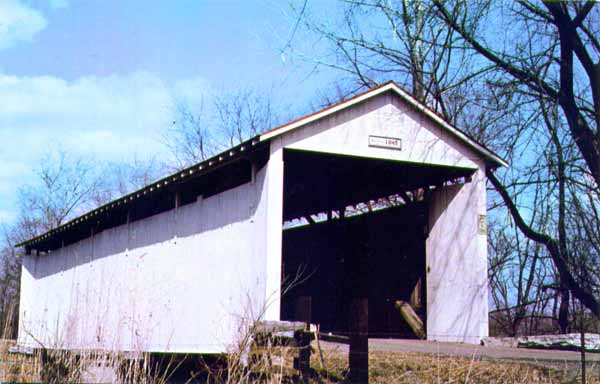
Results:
519 73
586 297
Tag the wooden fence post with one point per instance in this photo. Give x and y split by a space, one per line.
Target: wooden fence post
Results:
303 313
359 341
303 362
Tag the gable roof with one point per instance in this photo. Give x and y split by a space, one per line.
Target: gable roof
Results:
493 159
253 145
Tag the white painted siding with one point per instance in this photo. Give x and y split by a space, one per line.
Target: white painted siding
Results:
179 281
273 231
347 133
456 259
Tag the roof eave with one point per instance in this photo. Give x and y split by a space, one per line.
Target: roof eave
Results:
194 170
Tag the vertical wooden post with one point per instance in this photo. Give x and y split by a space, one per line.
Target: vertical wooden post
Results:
93 243
359 341
303 363
303 309
583 373
303 313
177 200
582 336
253 170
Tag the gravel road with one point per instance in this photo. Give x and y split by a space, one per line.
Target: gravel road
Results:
549 358
477 351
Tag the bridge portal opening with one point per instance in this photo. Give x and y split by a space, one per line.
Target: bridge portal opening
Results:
356 228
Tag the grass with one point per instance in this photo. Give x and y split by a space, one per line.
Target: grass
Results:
403 367
17 367
59 366
384 367
411 368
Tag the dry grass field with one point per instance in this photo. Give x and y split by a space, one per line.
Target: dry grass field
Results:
17 367
384 367
406 367
411 367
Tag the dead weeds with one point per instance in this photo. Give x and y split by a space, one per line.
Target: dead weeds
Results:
402 367
384 367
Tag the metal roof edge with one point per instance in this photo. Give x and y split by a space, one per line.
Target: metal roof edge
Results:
185 173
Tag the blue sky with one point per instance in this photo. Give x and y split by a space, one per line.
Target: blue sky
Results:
101 77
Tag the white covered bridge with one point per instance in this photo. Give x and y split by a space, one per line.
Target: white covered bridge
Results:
375 197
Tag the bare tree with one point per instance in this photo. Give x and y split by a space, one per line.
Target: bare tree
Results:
243 113
10 279
64 186
326 98
522 78
67 185
231 117
554 65
122 177
378 40
519 275
190 139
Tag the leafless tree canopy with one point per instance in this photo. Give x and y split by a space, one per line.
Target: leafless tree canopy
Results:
524 78
231 117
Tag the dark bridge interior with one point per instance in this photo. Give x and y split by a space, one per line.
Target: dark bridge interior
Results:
343 250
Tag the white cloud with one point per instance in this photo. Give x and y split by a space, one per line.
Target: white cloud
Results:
18 22
111 118
103 115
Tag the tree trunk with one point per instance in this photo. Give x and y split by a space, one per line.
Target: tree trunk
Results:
563 312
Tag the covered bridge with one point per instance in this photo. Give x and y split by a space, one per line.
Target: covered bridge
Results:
374 197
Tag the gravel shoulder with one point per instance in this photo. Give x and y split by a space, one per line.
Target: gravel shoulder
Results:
477 351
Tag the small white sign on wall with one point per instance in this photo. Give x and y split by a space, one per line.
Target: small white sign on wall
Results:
482 225
385 142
